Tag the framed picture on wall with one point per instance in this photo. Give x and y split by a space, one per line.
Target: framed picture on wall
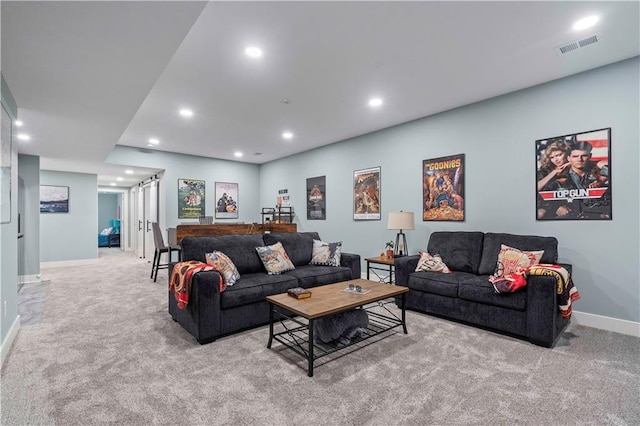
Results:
573 176
191 198
366 194
54 199
226 200
316 198
443 189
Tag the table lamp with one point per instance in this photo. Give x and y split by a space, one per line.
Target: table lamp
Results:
400 220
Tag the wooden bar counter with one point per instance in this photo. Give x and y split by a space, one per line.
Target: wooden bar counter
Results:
197 230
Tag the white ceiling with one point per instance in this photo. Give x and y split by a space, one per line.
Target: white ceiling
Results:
90 75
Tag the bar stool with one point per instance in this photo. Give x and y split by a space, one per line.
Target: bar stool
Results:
160 249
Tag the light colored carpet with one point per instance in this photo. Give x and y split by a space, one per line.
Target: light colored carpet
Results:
107 351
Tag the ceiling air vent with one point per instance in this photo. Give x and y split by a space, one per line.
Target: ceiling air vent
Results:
575 45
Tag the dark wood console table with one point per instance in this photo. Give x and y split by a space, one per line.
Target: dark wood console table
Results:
216 229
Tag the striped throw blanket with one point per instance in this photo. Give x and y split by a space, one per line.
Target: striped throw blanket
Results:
181 277
566 292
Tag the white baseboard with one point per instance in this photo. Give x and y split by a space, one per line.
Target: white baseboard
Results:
606 323
24 279
68 263
8 341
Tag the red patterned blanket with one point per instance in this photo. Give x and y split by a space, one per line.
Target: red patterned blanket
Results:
565 290
181 277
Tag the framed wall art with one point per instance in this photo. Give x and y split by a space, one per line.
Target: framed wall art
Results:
5 167
366 194
573 176
54 199
443 188
191 198
316 198
226 200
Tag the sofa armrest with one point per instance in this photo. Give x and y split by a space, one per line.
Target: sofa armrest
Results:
352 261
544 322
201 317
404 266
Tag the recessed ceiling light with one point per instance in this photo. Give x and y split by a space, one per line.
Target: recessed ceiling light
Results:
375 102
129 172
237 154
253 52
154 141
186 112
112 184
119 179
287 135
584 23
18 123
23 136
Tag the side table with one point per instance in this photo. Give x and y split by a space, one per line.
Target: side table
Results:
382 267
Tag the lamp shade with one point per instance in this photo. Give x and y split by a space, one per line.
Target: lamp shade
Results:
400 220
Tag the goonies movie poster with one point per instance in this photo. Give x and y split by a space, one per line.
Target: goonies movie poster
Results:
443 188
573 176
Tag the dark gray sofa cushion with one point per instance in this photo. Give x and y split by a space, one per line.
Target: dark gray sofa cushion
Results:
252 288
461 251
437 283
314 275
241 249
298 245
480 290
492 243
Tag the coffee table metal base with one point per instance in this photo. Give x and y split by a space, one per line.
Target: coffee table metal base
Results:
297 333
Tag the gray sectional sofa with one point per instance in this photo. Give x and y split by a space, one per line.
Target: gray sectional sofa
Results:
211 314
467 295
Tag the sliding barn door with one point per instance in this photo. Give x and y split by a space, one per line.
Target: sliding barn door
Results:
139 222
151 215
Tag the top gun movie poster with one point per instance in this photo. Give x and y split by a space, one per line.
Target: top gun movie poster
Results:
573 176
443 188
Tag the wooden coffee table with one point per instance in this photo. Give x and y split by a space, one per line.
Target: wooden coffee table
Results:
327 300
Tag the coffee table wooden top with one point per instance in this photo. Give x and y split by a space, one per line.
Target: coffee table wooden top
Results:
330 299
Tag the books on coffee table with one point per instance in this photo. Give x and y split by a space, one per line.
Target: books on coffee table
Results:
299 293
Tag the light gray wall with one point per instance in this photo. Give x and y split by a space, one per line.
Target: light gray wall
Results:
107 210
498 138
29 244
71 236
9 233
179 166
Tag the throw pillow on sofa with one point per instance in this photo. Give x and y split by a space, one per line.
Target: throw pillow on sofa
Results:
326 253
224 266
275 259
431 263
512 260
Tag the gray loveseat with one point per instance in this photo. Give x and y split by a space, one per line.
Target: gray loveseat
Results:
211 314
467 295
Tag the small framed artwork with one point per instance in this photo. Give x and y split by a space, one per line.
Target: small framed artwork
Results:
573 176
443 189
226 200
366 194
191 198
316 198
54 199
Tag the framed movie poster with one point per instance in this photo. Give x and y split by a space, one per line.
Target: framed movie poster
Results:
443 189
54 199
190 198
316 198
573 176
226 200
366 194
